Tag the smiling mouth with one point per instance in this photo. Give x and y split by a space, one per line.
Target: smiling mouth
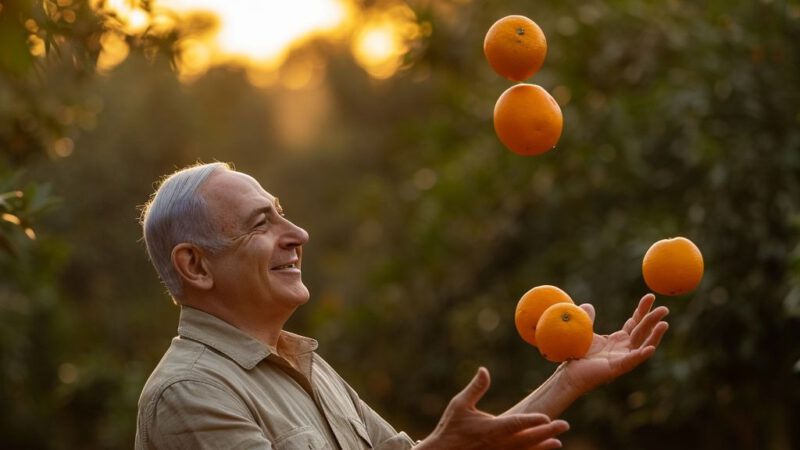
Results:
285 266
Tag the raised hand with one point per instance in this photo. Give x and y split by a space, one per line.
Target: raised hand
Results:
463 426
618 353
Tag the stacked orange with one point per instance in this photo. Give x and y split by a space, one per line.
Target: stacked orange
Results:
527 119
547 318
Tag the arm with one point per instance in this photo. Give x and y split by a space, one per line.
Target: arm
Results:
527 424
198 415
608 358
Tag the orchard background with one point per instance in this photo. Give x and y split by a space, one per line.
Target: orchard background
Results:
680 118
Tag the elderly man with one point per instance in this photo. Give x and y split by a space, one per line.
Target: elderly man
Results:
234 378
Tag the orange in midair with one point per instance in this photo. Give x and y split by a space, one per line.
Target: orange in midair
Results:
515 47
527 119
531 306
673 266
564 332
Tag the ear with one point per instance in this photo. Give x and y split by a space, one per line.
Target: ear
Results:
191 264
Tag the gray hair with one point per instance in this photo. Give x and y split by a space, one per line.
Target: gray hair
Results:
176 213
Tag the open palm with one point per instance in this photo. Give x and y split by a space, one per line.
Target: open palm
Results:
612 355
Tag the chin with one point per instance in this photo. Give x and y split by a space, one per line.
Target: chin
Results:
300 295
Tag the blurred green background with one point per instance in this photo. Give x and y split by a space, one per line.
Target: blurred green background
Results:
681 118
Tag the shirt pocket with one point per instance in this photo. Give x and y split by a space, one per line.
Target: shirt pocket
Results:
361 431
303 438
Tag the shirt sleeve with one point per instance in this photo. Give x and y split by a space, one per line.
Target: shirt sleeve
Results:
382 434
200 415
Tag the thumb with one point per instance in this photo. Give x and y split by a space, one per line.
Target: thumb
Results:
589 310
470 395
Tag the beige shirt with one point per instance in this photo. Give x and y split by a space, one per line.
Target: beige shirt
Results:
218 388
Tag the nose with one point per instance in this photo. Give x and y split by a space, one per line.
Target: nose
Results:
293 236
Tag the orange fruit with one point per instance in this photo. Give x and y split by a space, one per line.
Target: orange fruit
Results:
564 332
515 47
531 306
527 119
673 266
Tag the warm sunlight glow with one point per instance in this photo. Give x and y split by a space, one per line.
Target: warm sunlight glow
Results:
114 50
260 35
195 57
133 19
264 32
384 39
378 49
138 20
11 218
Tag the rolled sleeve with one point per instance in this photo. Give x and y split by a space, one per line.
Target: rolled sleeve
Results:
382 434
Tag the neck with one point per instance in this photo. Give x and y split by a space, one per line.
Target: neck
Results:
264 326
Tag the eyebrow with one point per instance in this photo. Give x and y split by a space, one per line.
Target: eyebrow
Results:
261 210
266 209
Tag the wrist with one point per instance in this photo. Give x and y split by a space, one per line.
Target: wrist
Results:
575 381
567 382
429 443
560 391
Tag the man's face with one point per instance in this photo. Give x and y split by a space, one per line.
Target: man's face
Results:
262 264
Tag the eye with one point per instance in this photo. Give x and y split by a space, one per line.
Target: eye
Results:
279 208
262 221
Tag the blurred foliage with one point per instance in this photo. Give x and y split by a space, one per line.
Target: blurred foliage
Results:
681 118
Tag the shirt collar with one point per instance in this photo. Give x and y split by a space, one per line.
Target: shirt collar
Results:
234 343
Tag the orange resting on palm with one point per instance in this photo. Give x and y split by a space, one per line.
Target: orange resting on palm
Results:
527 119
564 332
531 306
673 266
515 47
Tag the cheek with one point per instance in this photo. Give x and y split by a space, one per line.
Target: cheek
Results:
244 244
257 251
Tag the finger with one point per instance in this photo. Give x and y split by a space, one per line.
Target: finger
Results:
641 310
548 445
539 435
644 307
658 332
645 327
589 310
515 423
629 325
476 388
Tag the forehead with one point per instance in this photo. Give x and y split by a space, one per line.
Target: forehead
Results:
234 193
